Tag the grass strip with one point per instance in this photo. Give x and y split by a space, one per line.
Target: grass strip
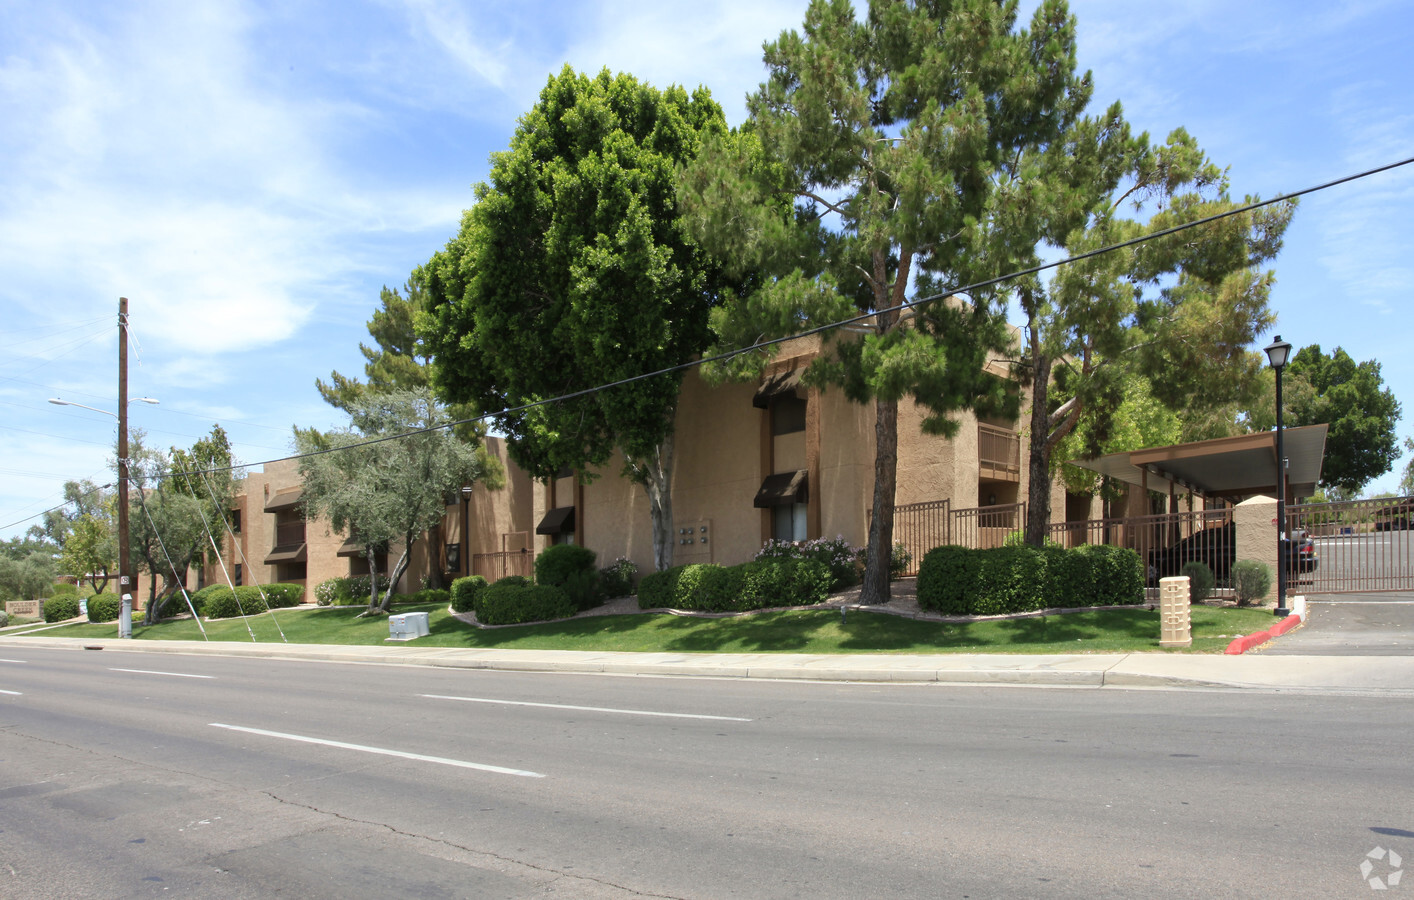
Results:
813 631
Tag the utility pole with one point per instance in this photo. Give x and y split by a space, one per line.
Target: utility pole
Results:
125 585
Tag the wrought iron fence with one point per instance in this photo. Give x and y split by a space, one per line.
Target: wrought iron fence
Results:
493 566
1359 545
984 527
920 527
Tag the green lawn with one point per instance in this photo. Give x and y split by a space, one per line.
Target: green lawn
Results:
1094 631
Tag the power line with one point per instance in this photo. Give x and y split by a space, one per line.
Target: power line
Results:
821 329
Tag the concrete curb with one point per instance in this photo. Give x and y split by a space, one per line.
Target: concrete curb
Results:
1296 617
1095 671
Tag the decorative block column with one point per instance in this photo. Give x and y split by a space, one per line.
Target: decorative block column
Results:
1175 629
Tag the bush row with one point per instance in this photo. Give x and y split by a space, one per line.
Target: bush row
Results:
348 590
963 582
218 601
761 583
514 600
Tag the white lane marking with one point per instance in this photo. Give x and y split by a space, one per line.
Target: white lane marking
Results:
20 661
623 712
12 693
150 672
381 751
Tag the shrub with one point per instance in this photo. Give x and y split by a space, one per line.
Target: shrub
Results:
64 589
1200 580
512 603
1010 580
557 562
1250 580
464 591
332 592
512 579
1117 574
656 589
425 596
616 579
959 581
900 558
782 582
221 602
842 559
103 608
60 609
570 567
947 579
4 618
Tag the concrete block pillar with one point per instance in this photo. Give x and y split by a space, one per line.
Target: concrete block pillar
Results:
1175 628
1255 524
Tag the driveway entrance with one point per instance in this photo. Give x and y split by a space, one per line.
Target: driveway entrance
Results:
1371 624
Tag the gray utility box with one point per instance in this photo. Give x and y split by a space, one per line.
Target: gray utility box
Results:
407 626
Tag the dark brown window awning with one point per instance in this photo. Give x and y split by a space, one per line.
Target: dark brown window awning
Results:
287 555
783 488
350 547
774 386
287 500
559 520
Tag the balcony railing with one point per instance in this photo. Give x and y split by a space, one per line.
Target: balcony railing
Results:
998 453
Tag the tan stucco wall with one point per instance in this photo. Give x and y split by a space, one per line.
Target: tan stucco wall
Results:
1255 534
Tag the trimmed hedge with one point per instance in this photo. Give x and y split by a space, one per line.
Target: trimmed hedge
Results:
962 582
570 568
464 591
60 609
218 601
515 602
708 587
104 608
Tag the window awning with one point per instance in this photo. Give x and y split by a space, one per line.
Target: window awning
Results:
287 555
283 501
783 488
559 520
774 386
350 547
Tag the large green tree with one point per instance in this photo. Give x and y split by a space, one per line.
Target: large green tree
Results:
1351 398
574 269
905 145
1179 311
391 491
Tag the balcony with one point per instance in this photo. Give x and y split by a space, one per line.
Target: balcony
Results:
998 454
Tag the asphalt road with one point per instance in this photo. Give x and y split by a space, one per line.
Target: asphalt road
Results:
128 775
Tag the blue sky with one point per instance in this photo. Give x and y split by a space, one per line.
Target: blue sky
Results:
250 174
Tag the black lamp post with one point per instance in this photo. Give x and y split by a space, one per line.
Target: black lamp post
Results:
1277 353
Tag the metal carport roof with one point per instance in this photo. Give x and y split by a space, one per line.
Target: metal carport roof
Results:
1233 468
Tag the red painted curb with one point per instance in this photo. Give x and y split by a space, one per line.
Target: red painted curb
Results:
1257 638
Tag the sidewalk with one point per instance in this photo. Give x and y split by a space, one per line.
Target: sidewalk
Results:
1389 675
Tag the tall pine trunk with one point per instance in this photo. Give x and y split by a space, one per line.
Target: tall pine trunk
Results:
881 523
1038 492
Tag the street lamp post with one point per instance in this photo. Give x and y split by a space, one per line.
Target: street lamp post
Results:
1277 353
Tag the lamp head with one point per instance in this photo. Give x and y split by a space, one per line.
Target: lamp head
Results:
1277 352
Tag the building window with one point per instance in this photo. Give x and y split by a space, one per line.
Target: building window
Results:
237 576
787 415
236 520
788 522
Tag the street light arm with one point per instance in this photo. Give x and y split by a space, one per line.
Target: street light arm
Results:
59 402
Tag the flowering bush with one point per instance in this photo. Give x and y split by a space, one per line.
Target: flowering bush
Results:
899 561
836 553
349 590
616 579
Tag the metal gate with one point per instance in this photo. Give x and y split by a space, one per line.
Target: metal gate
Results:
1362 545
